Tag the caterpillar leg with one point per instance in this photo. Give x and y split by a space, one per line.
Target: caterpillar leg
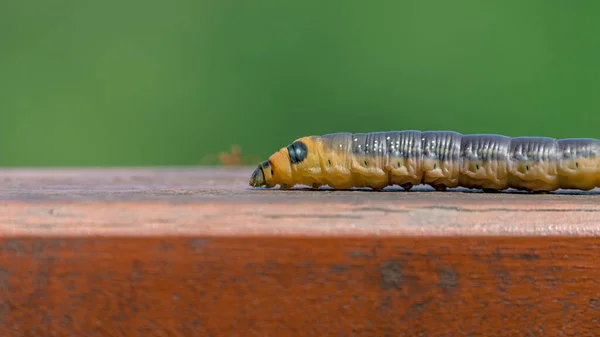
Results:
407 186
439 187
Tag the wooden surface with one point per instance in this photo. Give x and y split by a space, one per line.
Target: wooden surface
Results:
195 252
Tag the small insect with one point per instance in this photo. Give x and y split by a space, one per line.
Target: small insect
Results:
232 158
441 159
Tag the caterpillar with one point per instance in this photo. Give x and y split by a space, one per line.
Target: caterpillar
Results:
440 159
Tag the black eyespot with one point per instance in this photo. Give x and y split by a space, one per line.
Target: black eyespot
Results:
577 164
477 166
434 166
366 163
527 167
329 161
297 151
398 164
272 173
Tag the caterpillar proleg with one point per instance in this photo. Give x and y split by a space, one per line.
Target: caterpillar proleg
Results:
441 159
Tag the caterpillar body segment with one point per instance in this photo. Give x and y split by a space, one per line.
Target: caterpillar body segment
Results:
441 159
483 162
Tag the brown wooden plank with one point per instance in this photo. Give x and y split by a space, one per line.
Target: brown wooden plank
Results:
195 253
268 286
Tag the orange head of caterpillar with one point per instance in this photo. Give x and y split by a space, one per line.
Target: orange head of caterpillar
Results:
282 167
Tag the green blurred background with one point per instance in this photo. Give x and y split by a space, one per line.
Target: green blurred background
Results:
135 83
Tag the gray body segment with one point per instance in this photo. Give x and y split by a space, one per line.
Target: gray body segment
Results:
441 145
533 149
394 144
450 145
572 148
485 147
406 144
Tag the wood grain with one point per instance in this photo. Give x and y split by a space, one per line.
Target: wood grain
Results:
164 252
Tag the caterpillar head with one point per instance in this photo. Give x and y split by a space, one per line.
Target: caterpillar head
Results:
280 168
